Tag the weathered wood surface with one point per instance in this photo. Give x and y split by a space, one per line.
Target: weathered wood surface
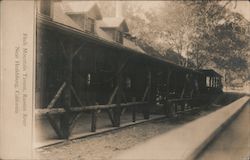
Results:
134 114
54 125
180 99
74 121
93 120
85 108
76 96
56 97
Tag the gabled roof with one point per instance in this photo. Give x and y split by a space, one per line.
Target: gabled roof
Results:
210 72
60 17
81 7
114 22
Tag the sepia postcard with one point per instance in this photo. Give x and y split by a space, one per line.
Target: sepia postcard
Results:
124 80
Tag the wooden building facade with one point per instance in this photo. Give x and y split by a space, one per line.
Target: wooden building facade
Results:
85 64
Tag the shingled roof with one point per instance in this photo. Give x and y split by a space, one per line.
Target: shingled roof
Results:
80 7
114 22
63 10
60 16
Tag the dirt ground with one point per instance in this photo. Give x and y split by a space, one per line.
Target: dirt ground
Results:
107 145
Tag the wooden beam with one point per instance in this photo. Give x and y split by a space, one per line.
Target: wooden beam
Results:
63 48
73 122
131 104
113 95
40 112
180 99
122 66
145 93
86 108
54 125
76 96
77 51
110 116
56 97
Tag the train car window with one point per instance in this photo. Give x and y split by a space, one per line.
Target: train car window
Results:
208 81
128 83
88 79
196 84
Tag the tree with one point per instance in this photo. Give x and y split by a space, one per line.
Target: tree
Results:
221 41
205 32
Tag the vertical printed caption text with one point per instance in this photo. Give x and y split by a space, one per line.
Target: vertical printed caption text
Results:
21 75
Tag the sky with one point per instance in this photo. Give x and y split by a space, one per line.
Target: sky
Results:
242 7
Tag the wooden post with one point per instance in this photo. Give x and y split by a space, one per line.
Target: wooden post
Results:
118 93
183 91
65 118
175 107
183 106
167 105
110 102
93 120
64 125
74 121
117 109
147 107
134 113
54 125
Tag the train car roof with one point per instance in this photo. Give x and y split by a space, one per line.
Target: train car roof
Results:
210 72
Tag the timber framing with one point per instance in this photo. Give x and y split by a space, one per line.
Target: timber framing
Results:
111 79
